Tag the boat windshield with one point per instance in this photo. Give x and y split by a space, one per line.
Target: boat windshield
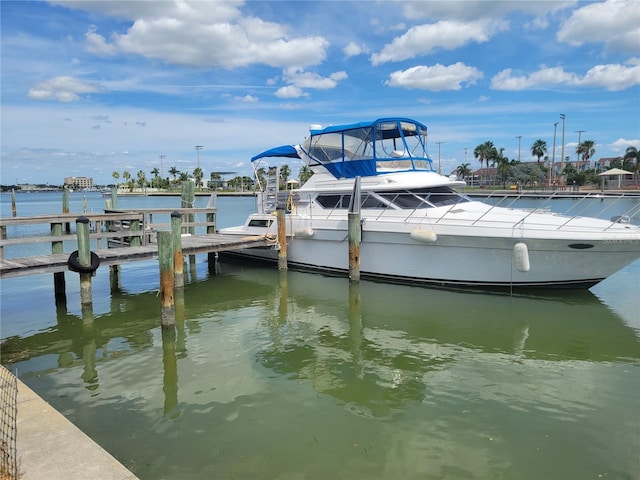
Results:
368 149
400 199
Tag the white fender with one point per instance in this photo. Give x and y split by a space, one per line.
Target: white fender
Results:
424 235
304 232
521 257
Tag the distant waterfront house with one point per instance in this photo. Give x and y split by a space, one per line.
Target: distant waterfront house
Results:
78 182
605 163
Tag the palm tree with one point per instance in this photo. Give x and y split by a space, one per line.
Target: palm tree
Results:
173 171
126 175
483 153
155 172
463 170
215 180
586 149
633 155
197 175
115 176
538 149
261 177
141 178
285 171
504 167
305 173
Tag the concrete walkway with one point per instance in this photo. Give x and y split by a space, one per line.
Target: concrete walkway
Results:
50 446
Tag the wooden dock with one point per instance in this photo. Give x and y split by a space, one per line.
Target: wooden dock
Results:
134 232
191 245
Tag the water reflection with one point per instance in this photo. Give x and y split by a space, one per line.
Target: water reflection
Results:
338 335
408 381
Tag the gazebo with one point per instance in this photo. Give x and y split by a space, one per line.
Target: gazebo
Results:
614 172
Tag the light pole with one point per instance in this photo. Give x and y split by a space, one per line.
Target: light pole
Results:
465 162
198 148
577 149
439 143
562 116
519 137
553 155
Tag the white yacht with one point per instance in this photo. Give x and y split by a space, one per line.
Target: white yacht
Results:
415 224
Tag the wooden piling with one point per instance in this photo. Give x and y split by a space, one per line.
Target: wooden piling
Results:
14 211
282 237
354 233
84 259
178 259
212 257
65 208
59 283
135 227
114 197
3 235
165 258
188 201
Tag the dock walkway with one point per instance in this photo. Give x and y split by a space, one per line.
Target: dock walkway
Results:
191 245
50 446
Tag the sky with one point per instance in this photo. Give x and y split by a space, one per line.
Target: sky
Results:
93 87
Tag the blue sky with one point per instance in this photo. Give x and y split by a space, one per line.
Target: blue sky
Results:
90 87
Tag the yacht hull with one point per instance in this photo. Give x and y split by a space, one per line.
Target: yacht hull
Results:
454 260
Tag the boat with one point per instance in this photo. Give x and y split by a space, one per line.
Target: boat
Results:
418 226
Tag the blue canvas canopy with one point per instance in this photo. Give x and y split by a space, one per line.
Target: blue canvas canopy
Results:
287 151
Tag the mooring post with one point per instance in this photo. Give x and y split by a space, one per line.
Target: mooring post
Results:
3 235
165 258
135 227
59 284
114 197
212 257
354 232
65 207
14 211
84 259
282 237
178 260
188 200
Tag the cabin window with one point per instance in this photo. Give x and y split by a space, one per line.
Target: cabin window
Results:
259 223
440 196
404 199
342 201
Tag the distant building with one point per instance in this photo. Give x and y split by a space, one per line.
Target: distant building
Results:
78 182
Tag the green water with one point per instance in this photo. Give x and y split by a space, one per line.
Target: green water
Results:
300 376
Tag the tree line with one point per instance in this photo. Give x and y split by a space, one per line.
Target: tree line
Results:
496 168
176 177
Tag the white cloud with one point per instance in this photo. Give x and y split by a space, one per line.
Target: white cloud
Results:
353 50
616 23
97 43
299 80
622 144
63 89
247 99
612 77
436 78
446 34
290 91
198 34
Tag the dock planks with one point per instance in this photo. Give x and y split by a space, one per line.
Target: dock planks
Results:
191 245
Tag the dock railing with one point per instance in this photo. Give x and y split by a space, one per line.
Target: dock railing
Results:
114 228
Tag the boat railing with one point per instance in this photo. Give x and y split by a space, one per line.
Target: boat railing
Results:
613 208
